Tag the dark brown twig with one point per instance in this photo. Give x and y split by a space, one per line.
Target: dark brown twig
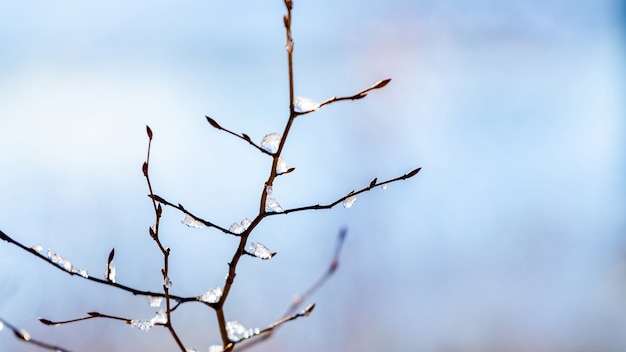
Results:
360 95
243 136
185 211
154 233
23 335
137 292
351 194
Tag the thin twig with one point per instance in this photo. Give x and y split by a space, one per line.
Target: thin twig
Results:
185 211
243 136
137 292
360 95
154 233
23 335
351 194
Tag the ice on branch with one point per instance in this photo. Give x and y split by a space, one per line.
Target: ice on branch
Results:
191 350
1 325
159 318
383 186
37 248
64 263
260 251
145 325
191 222
59 260
347 203
303 104
211 296
142 325
272 206
281 166
270 142
167 283
109 275
155 301
81 272
238 228
216 348
237 332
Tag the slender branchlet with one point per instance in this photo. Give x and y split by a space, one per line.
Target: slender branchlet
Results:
23 335
216 301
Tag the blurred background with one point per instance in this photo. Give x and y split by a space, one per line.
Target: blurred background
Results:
511 238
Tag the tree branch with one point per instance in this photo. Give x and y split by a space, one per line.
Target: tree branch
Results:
243 136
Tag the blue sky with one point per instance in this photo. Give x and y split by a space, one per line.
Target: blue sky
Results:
511 237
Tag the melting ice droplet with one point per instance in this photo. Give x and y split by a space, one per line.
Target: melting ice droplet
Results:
260 251
272 206
347 203
302 104
191 222
270 142
211 296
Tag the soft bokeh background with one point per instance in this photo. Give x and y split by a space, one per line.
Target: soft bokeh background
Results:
512 238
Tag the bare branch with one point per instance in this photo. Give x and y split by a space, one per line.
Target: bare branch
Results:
134 291
90 315
334 264
23 335
352 193
360 95
185 211
243 136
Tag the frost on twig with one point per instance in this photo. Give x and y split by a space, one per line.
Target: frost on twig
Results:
231 331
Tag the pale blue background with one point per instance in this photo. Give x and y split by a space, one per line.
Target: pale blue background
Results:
510 239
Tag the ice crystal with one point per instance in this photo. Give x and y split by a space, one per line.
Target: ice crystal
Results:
303 104
167 283
59 260
237 332
81 272
383 186
216 348
347 203
272 206
211 296
159 318
37 248
191 222
260 251
155 301
269 190
281 166
109 275
142 325
191 350
1 325
145 325
270 142
238 228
